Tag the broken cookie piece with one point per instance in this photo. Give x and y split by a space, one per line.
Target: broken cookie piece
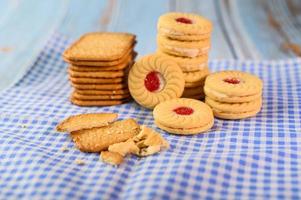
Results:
124 148
111 157
149 142
98 139
86 121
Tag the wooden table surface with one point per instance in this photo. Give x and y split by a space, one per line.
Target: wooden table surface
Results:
243 29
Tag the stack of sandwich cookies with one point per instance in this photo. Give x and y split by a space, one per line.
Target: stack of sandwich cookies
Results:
183 116
99 65
185 38
233 94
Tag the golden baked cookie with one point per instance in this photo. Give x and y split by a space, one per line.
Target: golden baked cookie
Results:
185 131
190 49
237 115
217 96
130 55
197 75
234 107
177 25
98 139
78 68
188 64
101 92
102 46
233 86
115 86
182 36
99 74
154 79
110 102
111 158
149 142
124 148
86 121
99 97
234 83
183 116
87 80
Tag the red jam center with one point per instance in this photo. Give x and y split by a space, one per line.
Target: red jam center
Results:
184 20
152 81
232 80
183 110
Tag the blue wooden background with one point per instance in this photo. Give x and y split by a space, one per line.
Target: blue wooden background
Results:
243 29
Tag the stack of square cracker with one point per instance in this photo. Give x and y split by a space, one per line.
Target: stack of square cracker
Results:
185 38
99 65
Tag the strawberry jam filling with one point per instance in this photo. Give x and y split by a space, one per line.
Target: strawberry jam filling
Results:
152 81
183 110
184 20
232 80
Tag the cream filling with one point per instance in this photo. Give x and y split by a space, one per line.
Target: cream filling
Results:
223 95
191 52
162 83
177 33
215 93
171 32
200 66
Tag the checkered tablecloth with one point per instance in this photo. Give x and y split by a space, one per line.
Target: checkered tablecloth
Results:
238 159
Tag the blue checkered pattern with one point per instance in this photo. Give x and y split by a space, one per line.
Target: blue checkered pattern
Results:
257 158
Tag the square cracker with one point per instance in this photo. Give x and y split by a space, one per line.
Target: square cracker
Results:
102 46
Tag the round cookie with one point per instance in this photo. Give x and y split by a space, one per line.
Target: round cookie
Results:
229 99
226 85
234 83
234 107
183 116
176 24
181 36
190 131
241 115
188 64
197 75
154 79
183 48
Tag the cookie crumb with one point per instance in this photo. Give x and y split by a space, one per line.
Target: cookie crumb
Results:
79 162
64 149
23 126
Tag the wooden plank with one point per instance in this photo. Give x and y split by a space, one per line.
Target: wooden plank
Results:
139 17
27 29
220 46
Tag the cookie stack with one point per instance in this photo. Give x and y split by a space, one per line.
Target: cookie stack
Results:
233 94
99 65
185 38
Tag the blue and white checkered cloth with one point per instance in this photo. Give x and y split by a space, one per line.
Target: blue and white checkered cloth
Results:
253 158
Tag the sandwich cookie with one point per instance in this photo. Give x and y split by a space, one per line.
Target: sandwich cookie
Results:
154 79
183 116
